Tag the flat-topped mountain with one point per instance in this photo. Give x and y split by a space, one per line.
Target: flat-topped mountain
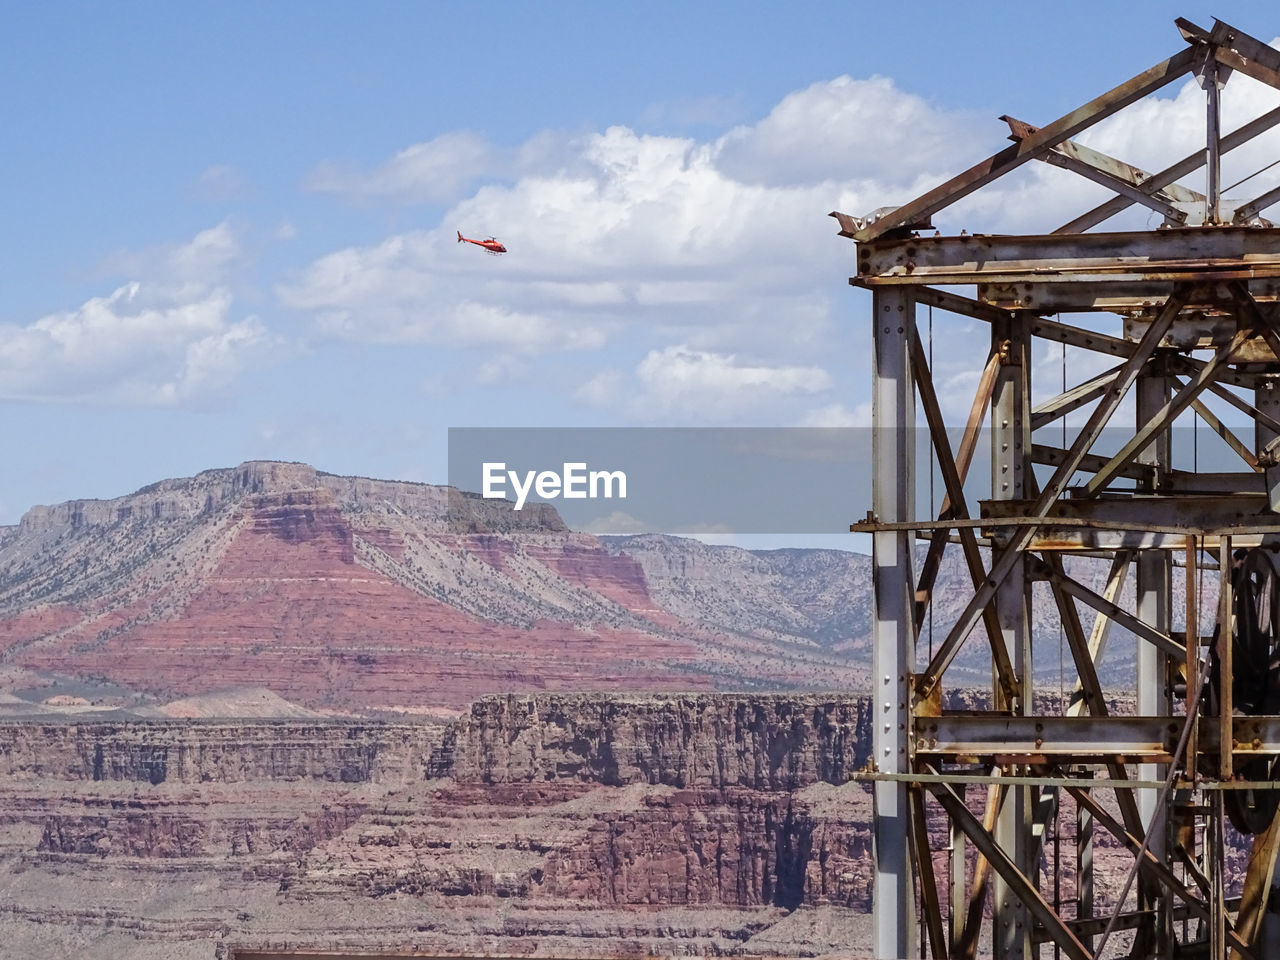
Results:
352 594
348 594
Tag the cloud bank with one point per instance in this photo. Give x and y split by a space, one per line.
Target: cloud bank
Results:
166 339
713 256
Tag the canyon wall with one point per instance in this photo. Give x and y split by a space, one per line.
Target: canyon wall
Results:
716 741
217 751
699 823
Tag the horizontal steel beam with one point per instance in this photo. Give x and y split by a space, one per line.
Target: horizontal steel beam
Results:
1100 342
1191 254
1046 780
1211 484
1093 537
1129 920
1111 296
1085 739
1058 739
1088 540
1140 522
1102 541
1190 513
1198 330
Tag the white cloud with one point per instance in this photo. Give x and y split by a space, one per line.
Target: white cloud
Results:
652 231
162 340
714 244
838 415
377 296
501 369
679 384
703 385
724 235
433 172
602 390
720 245
207 258
849 130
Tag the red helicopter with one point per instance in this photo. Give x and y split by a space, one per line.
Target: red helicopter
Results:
490 244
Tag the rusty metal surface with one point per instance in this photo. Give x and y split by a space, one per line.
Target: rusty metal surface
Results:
1092 739
1208 280
1128 297
1048 136
1190 514
1165 177
1182 254
1062 738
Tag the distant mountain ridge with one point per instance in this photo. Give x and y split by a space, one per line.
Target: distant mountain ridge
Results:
355 594
815 596
351 594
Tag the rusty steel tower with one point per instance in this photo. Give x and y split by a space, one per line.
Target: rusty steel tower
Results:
1186 318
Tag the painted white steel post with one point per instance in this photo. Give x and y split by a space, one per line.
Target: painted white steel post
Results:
893 657
1010 445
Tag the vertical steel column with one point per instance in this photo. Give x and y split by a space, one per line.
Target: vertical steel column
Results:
1207 76
1084 863
1215 869
1154 607
959 887
893 414
1266 397
1213 146
1010 444
1214 839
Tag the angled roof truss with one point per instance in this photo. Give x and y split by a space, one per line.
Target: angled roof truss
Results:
1210 56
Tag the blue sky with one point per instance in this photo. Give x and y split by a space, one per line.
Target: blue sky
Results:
229 227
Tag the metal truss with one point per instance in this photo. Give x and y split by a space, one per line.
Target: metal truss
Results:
1197 324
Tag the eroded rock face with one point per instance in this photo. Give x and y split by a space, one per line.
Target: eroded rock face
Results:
705 847
531 823
352 594
719 741
195 752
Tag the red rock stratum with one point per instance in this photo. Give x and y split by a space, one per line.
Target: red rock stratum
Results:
351 594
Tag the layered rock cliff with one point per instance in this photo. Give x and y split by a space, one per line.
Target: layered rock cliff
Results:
531 824
689 742
217 751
